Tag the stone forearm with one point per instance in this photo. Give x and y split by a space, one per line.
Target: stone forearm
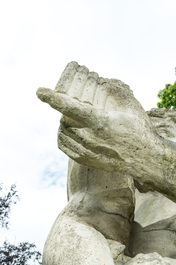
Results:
156 167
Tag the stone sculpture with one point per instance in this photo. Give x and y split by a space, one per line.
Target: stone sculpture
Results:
113 142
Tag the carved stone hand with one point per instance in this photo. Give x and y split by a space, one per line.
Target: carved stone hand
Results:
105 127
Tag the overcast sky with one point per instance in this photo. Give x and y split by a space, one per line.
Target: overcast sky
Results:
134 41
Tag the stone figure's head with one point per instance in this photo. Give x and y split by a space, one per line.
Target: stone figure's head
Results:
164 121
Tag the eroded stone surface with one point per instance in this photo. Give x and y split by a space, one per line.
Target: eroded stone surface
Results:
104 200
111 130
164 121
155 215
104 127
149 259
75 243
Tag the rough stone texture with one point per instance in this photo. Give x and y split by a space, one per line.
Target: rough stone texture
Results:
104 127
164 121
155 215
117 250
150 259
98 199
102 199
159 237
148 208
72 242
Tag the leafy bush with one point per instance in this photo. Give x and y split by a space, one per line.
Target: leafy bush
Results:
11 254
168 97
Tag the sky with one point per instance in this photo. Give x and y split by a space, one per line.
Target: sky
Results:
133 41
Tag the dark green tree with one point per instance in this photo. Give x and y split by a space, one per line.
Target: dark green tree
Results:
11 254
7 198
18 254
168 97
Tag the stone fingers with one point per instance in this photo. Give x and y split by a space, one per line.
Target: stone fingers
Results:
101 94
67 77
87 87
83 155
77 87
73 149
80 135
90 88
81 112
90 142
70 122
79 83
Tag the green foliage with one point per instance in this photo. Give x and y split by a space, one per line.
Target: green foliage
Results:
23 252
168 97
6 201
20 254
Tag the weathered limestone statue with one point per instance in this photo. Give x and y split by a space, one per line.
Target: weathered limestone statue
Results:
112 141
155 216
